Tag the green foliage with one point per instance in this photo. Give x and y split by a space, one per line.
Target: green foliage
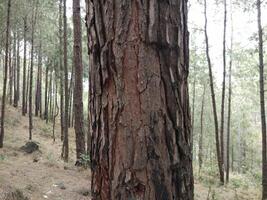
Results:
2 157
85 160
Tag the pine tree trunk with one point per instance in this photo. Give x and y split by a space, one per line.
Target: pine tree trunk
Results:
78 86
17 93
46 95
24 69
223 84
140 116
229 102
61 73
65 147
2 133
14 77
218 150
262 103
11 66
200 152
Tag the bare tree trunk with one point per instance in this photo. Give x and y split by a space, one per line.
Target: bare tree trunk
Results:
219 159
61 73
262 103
223 83
65 147
27 85
38 82
56 111
78 86
17 93
14 72
11 66
229 103
24 105
46 94
140 116
200 152
2 133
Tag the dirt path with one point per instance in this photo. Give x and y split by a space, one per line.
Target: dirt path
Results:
49 177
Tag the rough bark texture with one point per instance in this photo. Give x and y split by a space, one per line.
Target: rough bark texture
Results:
5 75
78 86
262 103
218 150
141 140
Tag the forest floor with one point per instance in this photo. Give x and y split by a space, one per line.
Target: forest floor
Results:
43 175
49 177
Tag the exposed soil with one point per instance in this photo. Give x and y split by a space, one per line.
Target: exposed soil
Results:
42 174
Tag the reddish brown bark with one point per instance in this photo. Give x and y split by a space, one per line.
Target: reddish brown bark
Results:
139 104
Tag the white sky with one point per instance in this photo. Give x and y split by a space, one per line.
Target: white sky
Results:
245 24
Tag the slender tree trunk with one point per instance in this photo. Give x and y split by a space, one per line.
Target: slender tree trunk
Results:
65 147
220 166
27 85
229 102
17 93
71 88
2 133
50 100
40 82
78 86
30 86
262 103
61 73
11 66
193 110
56 111
200 152
14 67
46 94
89 137
223 83
139 62
24 70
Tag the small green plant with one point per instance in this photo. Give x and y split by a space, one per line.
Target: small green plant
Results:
2 157
85 160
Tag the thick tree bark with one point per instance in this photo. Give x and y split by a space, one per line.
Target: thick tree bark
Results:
218 150
262 105
2 133
24 105
141 140
200 152
78 86
65 147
